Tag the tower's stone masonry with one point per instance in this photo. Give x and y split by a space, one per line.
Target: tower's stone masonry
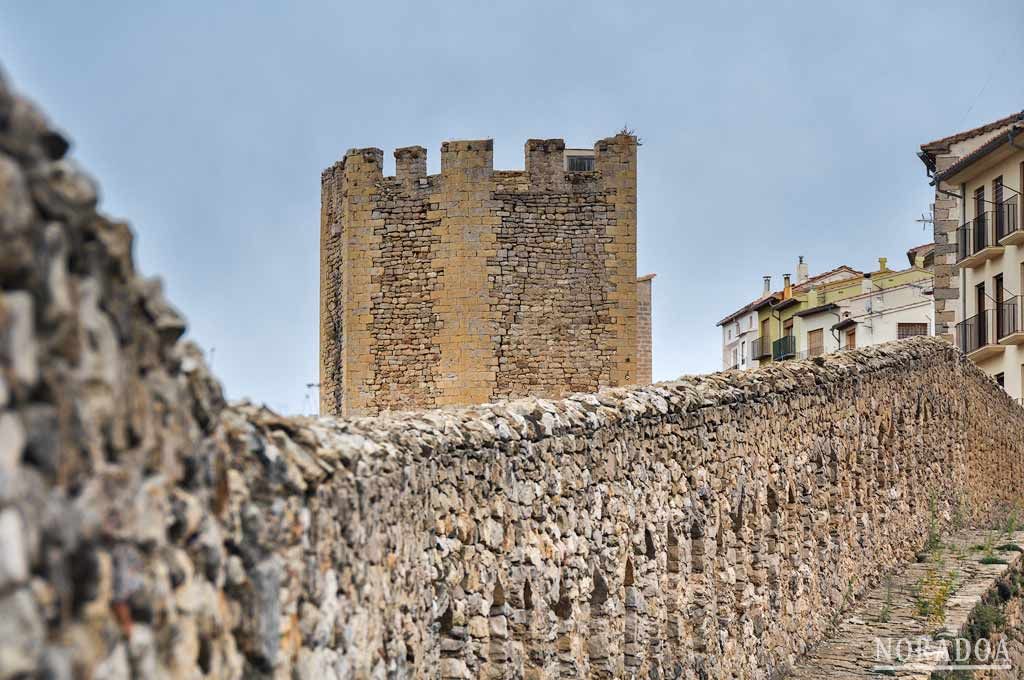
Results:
475 284
643 329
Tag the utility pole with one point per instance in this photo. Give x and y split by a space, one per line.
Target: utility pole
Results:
310 398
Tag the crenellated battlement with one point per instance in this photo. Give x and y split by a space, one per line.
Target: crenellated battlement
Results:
544 163
475 283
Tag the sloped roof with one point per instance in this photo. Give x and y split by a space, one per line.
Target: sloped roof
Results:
820 308
804 285
979 153
921 250
748 307
945 142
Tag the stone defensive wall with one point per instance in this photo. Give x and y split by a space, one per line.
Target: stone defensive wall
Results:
710 527
477 284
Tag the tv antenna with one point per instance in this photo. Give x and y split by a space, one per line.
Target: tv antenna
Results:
929 218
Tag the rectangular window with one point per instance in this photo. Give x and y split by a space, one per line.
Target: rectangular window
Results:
980 329
743 352
815 342
1000 379
581 163
997 198
981 228
997 286
787 327
909 330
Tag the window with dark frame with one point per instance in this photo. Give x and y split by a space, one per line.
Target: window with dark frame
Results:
997 286
1000 379
910 330
980 329
980 235
997 198
581 163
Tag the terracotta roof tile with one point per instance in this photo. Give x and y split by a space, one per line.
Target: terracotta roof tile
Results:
976 155
748 307
778 294
803 285
945 142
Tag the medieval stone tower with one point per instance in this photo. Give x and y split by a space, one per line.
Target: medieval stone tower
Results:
475 284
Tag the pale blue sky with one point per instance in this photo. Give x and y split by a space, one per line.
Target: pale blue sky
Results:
770 129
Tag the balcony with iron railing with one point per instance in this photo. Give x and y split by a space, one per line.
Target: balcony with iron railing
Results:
984 237
761 348
784 348
978 336
1009 326
1009 229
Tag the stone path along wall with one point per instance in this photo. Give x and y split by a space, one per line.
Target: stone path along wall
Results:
708 527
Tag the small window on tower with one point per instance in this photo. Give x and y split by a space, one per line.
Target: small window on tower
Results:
581 163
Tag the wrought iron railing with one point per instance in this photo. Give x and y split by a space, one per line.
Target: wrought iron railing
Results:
977 331
975 236
784 348
988 229
761 348
1008 317
1007 218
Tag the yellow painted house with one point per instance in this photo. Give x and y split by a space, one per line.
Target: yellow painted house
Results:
844 308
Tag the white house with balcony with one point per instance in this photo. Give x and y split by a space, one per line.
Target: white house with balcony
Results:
740 331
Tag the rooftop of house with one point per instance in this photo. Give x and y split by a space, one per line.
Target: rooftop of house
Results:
1015 132
944 143
923 251
756 304
799 287
849 275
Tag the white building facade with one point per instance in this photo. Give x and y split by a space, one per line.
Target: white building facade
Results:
979 177
739 332
875 316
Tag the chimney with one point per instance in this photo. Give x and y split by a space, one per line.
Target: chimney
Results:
801 270
881 264
767 285
787 288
